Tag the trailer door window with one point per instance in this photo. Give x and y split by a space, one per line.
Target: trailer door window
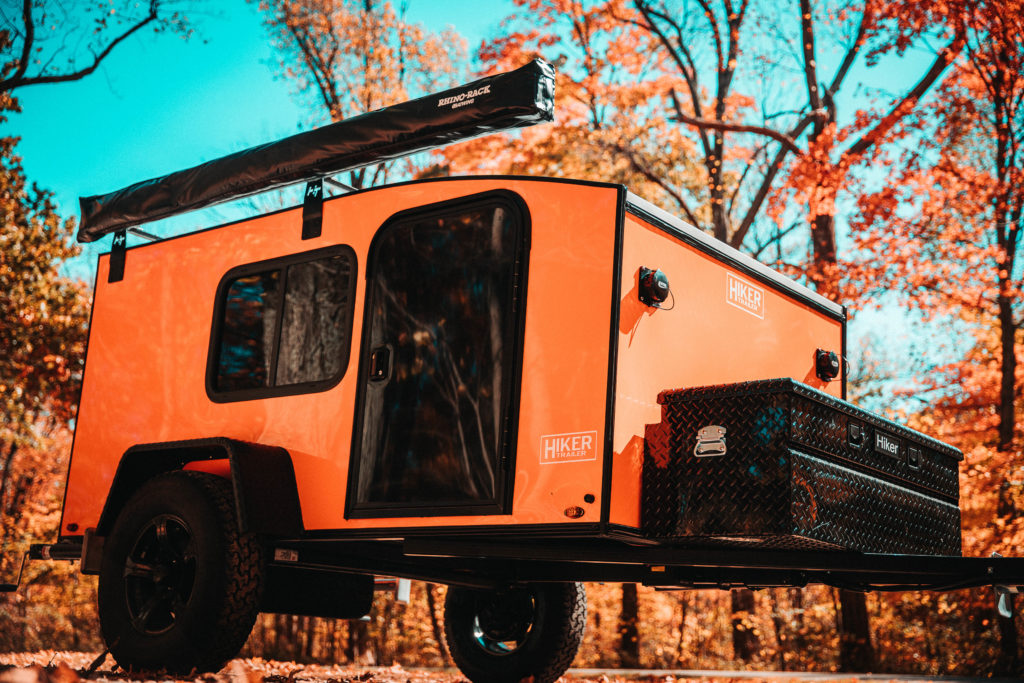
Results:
439 362
282 326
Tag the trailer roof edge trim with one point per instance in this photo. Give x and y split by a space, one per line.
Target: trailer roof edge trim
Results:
505 101
748 263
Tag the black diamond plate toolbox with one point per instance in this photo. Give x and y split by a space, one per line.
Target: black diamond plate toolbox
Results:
778 464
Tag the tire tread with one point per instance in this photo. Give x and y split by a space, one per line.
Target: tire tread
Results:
231 616
245 556
546 659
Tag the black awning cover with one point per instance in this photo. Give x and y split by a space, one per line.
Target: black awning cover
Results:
504 101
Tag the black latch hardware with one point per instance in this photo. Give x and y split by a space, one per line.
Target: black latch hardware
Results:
313 209
380 364
118 254
855 433
914 458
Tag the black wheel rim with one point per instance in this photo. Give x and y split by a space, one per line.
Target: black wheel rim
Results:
159 574
503 622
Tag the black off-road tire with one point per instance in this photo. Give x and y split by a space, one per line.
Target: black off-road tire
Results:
179 586
504 637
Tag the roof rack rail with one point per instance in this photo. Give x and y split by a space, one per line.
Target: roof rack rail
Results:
514 99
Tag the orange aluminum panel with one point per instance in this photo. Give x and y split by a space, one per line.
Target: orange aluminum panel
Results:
145 375
725 327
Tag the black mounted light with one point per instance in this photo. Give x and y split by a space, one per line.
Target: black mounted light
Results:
827 364
653 287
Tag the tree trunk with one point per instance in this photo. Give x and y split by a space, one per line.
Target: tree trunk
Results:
744 638
435 625
331 649
823 239
629 634
779 623
1010 662
719 218
5 472
1009 654
309 638
681 645
280 636
855 650
358 638
796 602
382 644
1007 371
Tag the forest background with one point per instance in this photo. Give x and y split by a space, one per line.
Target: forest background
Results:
870 149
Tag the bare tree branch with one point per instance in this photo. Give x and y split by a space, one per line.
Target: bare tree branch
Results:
682 58
657 179
20 80
766 184
786 141
26 48
875 134
709 14
851 54
774 240
810 64
761 149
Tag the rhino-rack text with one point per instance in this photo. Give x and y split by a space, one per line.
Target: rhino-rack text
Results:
462 99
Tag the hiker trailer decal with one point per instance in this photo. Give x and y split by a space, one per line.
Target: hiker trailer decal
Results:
574 447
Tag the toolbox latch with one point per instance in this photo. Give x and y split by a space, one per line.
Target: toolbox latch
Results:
914 458
855 434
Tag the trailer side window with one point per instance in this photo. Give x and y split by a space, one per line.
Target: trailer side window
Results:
311 338
247 335
283 326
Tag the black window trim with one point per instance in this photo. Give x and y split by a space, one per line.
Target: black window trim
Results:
502 502
216 330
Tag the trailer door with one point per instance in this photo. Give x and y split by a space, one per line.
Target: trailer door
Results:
439 363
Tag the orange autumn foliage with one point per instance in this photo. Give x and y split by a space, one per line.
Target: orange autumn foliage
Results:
943 232
607 125
347 57
929 235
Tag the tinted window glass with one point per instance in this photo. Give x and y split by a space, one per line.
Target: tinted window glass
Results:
286 325
314 333
441 320
247 336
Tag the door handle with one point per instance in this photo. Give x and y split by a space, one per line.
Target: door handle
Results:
380 364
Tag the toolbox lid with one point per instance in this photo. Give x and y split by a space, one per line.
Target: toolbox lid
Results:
783 385
514 99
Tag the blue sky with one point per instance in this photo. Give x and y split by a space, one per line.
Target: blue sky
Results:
159 104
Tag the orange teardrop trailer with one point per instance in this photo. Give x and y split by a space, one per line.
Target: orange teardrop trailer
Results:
505 384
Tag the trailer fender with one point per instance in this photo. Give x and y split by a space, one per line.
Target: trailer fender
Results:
263 479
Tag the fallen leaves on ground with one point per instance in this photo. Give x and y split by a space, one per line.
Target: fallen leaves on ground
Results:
51 666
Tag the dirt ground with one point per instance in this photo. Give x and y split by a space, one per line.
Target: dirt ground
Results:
74 667
82 667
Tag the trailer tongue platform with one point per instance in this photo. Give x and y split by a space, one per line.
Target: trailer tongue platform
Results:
678 567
